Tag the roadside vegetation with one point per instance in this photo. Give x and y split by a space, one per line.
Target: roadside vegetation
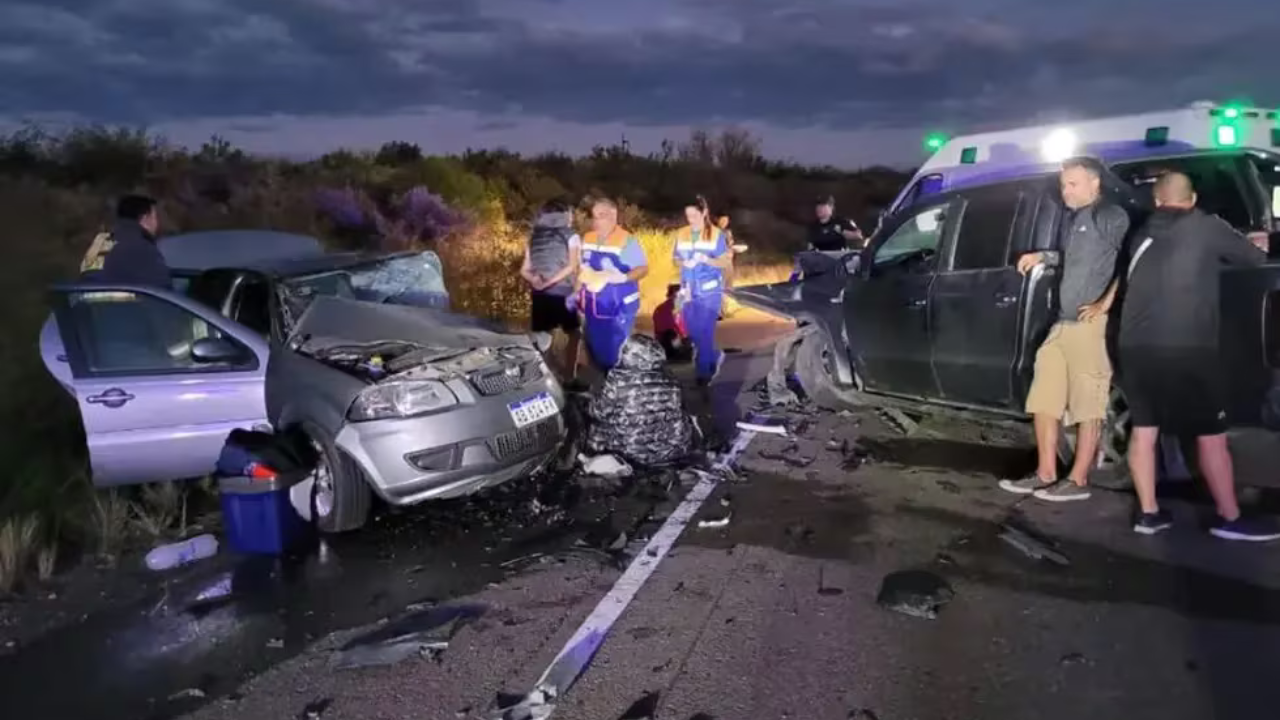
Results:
57 190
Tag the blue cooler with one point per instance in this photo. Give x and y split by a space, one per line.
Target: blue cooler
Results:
257 516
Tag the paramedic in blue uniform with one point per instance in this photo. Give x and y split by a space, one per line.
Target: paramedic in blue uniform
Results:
703 253
613 262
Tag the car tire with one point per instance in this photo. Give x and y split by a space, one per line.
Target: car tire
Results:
1112 468
813 370
340 504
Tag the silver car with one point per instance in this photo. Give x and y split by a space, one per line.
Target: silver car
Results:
400 397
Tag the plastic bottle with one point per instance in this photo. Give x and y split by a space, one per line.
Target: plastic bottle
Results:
176 554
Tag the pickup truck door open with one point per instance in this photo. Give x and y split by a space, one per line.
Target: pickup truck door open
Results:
887 314
977 300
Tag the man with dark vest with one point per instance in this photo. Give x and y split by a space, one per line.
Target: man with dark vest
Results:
551 261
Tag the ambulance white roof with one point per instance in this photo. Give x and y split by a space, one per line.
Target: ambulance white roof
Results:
1010 154
1203 126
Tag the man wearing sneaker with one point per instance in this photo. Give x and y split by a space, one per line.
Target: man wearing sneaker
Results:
1072 370
1168 351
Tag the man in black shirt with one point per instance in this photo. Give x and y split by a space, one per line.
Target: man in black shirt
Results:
1168 351
830 232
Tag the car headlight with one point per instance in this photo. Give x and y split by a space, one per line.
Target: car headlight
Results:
401 400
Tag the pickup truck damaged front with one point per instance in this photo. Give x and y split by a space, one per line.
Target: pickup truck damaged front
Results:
814 302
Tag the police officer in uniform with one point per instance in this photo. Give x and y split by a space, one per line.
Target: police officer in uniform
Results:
830 232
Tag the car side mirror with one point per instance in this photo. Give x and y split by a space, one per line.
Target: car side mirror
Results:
212 351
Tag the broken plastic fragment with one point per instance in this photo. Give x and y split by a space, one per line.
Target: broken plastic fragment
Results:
421 634
899 420
315 709
759 428
1030 546
536 705
715 522
914 592
604 466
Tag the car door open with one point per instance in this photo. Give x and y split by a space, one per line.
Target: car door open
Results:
159 379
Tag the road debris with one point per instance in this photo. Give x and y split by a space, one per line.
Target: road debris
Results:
576 655
712 523
423 634
918 593
1031 546
761 428
1073 658
823 588
643 709
188 694
172 555
604 466
898 420
275 643
777 392
855 457
790 455
315 709
948 486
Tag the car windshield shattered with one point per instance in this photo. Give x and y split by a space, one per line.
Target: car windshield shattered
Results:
406 279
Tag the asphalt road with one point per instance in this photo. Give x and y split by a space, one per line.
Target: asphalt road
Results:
774 615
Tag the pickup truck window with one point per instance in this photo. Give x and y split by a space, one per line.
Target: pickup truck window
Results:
985 228
1216 179
1269 175
920 234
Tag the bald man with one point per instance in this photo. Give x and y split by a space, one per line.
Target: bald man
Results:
1168 348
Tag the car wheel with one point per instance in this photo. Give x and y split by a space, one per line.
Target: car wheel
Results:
1111 468
340 495
816 371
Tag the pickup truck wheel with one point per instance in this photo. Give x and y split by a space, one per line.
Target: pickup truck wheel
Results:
816 373
1113 444
340 496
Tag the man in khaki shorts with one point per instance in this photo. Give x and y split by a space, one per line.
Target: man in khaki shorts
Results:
1072 372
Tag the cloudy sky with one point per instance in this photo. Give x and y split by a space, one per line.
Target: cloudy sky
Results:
850 82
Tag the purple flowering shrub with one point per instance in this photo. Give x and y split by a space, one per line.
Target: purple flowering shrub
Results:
414 218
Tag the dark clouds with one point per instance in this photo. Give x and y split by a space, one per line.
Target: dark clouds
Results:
786 63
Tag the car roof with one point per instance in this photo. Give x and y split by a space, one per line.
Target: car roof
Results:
198 251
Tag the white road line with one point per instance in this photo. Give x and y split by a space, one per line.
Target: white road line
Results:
573 658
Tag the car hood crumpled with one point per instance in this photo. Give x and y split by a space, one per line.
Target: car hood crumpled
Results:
334 320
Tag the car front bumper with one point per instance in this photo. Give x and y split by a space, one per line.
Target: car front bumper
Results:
468 448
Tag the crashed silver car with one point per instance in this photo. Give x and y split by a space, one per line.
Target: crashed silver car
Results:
401 398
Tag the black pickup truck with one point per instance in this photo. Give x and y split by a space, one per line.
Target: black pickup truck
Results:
933 311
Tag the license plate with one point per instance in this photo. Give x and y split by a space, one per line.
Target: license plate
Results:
531 410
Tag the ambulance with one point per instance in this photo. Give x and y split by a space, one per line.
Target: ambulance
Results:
1231 152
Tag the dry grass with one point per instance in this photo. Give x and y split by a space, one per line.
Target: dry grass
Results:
18 539
47 561
110 522
163 509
